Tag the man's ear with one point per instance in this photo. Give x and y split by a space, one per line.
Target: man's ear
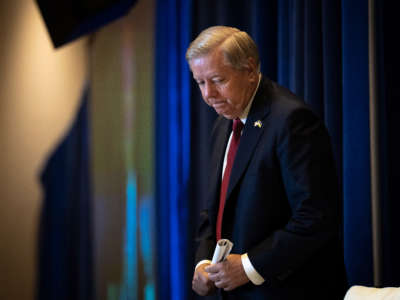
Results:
251 67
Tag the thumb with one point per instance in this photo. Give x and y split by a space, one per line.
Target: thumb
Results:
212 268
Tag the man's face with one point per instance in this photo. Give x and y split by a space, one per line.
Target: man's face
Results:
226 89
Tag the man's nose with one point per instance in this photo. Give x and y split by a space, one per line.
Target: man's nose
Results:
209 91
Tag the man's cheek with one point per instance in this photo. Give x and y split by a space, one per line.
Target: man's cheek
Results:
207 102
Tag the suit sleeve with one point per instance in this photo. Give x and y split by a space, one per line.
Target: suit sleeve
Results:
205 238
309 177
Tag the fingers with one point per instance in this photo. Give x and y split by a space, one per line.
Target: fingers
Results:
218 275
221 284
213 268
228 274
201 284
221 280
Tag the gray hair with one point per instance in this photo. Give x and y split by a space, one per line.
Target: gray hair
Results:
237 46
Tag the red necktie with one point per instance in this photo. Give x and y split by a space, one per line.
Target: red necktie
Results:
237 130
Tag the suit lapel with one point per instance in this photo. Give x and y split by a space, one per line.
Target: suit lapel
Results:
252 132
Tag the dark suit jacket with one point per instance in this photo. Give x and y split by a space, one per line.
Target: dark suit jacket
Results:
282 205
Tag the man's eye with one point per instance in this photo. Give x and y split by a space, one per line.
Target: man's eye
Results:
200 82
218 80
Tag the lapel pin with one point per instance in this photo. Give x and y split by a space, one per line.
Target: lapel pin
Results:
258 124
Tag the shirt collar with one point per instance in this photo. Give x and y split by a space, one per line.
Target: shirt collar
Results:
243 116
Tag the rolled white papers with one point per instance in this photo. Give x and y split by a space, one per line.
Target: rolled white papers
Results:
222 250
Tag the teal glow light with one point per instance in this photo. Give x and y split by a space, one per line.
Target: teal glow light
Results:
129 289
145 211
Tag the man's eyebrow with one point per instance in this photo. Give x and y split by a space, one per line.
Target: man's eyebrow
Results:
211 76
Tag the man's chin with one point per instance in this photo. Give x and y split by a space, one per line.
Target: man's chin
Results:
228 116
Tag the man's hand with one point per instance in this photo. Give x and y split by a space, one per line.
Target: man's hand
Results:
201 283
228 274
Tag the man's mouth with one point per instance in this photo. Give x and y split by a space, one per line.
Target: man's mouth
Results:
217 105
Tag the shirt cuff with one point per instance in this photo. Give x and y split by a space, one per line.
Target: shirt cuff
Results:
204 261
251 273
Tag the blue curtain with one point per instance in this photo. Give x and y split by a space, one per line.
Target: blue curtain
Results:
172 90
65 236
356 149
319 50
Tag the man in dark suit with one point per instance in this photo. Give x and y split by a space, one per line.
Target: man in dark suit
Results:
273 189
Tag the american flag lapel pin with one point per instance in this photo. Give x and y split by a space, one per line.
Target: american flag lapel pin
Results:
258 124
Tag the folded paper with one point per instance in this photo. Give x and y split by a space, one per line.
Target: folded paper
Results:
222 250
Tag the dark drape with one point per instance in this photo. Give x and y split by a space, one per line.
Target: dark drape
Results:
65 235
70 20
389 115
319 50
356 151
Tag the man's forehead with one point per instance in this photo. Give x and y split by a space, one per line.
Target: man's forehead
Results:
209 64
208 71
215 54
